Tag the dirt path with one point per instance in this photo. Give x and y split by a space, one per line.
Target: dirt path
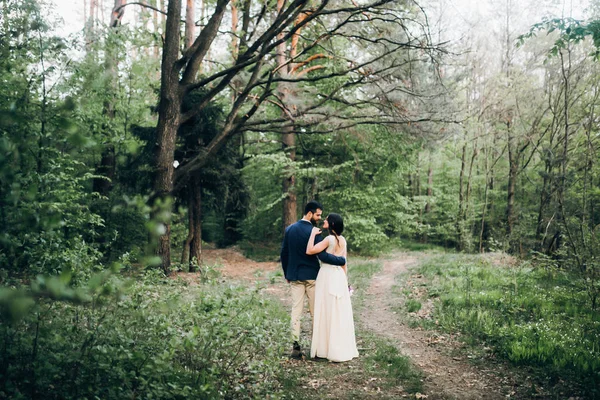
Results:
446 376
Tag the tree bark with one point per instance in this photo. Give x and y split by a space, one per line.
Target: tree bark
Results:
461 199
90 25
172 91
474 154
429 185
190 23
185 251
562 187
106 170
483 233
544 199
289 180
234 25
157 28
196 244
513 168
169 115
287 138
257 82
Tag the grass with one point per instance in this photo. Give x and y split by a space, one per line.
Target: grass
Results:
408 245
528 315
360 272
380 372
398 368
412 305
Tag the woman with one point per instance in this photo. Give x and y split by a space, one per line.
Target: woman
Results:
333 324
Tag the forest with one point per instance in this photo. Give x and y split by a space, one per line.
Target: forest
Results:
137 137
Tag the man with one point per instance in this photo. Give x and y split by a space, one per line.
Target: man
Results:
300 269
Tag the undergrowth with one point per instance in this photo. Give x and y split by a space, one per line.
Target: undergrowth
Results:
529 314
162 339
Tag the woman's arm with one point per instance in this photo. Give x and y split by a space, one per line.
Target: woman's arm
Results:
345 255
311 248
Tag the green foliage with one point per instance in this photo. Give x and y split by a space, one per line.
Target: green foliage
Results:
261 174
17 303
160 340
412 305
52 230
531 313
398 366
570 30
360 272
47 220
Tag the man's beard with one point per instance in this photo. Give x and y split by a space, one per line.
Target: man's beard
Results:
313 221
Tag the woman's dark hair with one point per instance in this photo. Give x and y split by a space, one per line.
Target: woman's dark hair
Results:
336 223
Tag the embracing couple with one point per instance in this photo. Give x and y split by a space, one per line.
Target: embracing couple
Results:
325 285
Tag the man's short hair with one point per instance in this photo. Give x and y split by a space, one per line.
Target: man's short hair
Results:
312 206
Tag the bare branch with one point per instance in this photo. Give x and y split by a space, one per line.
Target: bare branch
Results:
139 3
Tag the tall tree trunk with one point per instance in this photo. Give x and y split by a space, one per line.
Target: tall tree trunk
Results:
196 245
193 244
289 180
157 28
190 23
566 72
589 164
185 251
513 169
169 117
483 216
233 207
288 139
106 168
475 152
489 185
93 14
427 208
107 165
429 185
90 25
544 200
460 227
234 25
162 15
546 192
418 176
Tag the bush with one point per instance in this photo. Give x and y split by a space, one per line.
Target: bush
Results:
162 340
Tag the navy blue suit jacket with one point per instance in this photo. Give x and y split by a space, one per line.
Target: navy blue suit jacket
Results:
297 265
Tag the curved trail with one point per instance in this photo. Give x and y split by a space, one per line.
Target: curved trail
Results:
446 377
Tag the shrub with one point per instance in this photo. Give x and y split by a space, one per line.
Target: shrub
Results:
162 340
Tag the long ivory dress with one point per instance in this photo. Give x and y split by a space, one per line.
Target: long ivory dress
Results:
333 322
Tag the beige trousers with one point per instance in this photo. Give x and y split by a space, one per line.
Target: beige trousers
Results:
300 290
